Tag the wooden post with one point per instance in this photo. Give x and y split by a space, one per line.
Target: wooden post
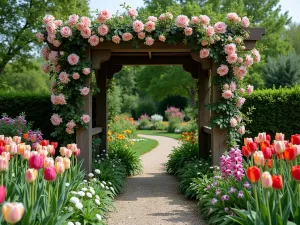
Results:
84 136
218 138
203 112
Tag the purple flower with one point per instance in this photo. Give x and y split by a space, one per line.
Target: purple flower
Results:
247 185
207 187
225 198
226 209
240 194
215 183
236 164
232 190
214 201
218 192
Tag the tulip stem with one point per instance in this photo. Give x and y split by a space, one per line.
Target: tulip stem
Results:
299 192
49 198
2 182
279 204
268 207
256 199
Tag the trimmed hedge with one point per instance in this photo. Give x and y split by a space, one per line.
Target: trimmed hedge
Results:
36 106
276 110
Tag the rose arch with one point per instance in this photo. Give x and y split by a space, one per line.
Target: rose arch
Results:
217 55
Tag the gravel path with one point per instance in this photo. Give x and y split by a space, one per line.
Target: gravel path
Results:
153 198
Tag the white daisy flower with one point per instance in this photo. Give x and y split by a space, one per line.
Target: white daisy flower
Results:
97 171
78 205
97 201
81 193
88 194
99 217
74 199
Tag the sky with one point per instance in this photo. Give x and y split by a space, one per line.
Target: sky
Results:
293 6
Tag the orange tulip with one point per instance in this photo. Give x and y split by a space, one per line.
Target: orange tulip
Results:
26 136
289 153
253 174
246 151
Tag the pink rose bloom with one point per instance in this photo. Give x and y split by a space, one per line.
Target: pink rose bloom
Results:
51 38
56 68
204 19
225 86
209 31
71 124
233 17
162 17
58 99
103 30
138 26
69 131
141 35
250 89
162 38
245 22
48 18
56 43
241 130
40 37
73 59
76 76
94 40
204 53
242 71
56 119
204 43
256 55
248 60
85 118
222 70
103 16
195 20
85 21
80 26
63 77
86 32
45 52
232 86
233 122
116 39
231 58
53 56
73 19
132 13
242 90
169 15
188 31
227 94
149 41
230 49
152 18
65 32
150 26
86 71
58 23
238 40
220 27
229 39
211 41
182 21
84 91
240 102
127 36
51 28
46 67
240 60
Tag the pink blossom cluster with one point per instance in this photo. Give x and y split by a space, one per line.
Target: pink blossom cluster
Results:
236 164
56 119
225 163
70 127
144 116
58 99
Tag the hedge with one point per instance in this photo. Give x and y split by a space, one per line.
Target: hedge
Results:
276 110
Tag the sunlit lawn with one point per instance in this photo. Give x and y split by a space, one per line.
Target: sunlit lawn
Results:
159 133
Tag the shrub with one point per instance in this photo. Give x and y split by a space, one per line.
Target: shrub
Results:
156 118
144 122
174 123
173 112
121 124
275 110
14 127
160 125
176 101
146 106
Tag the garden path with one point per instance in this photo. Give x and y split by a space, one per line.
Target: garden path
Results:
153 198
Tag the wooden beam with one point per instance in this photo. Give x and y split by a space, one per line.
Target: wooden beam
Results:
113 69
150 56
206 63
98 57
207 130
96 130
218 136
192 69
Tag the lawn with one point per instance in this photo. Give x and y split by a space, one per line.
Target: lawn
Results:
143 147
159 133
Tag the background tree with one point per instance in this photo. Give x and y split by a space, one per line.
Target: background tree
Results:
293 33
284 71
20 20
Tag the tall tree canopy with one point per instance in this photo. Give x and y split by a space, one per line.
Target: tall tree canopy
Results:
20 20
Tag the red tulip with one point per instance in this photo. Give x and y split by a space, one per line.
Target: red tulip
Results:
2 194
54 144
2 143
246 151
253 174
267 153
277 182
268 137
252 146
2 149
50 173
77 152
44 142
270 163
36 162
289 153
296 172
264 144
295 139
273 150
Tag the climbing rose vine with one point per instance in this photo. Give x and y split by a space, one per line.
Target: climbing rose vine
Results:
67 62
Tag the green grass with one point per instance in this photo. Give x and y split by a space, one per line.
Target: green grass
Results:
159 133
144 146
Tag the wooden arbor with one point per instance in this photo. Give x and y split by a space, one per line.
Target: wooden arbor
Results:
108 58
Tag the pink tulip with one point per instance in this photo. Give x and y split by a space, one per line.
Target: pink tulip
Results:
2 194
60 167
13 212
3 163
31 175
36 161
50 173
266 179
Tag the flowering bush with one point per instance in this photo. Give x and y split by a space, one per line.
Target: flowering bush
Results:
144 122
156 118
174 113
68 64
123 124
14 127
